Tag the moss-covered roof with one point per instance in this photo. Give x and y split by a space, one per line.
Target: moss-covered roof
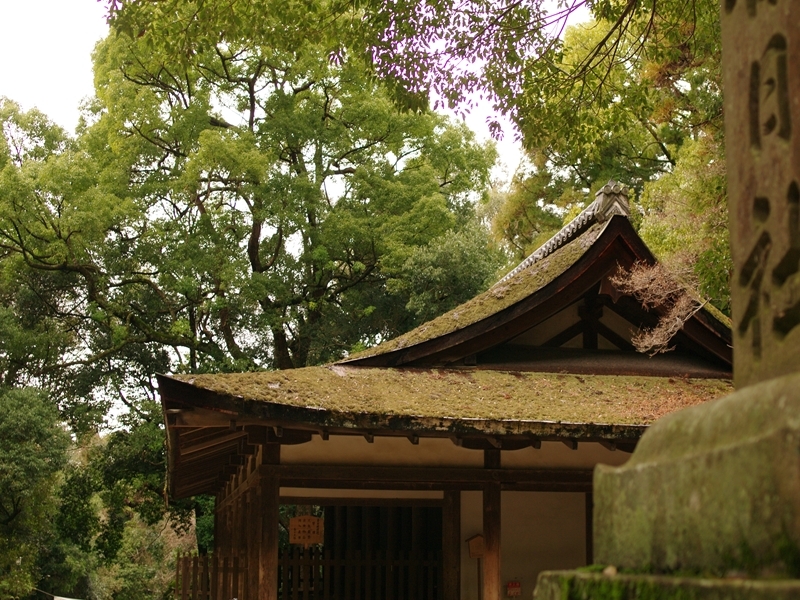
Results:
500 296
466 393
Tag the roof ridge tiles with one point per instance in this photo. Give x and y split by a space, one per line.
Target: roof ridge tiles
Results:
610 200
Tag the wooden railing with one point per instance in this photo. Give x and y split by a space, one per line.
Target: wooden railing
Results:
315 574
211 578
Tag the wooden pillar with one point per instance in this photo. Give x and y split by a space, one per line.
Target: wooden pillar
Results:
492 459
236 532
253 538
217 525
242 524
451 545
589 528
270 492
491 540
230 526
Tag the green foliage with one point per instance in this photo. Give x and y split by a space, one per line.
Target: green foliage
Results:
686 216
33 448
526 214
236 202
78 519
635 96
447 272
204 523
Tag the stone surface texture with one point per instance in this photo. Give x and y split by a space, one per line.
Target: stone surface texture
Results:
761 68
574 585
710 487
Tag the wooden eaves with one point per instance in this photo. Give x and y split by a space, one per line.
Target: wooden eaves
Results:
211 433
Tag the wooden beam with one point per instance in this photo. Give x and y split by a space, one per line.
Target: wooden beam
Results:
433 475
451 545
491 540
261 434
563 337
209 449
337 501
612 336
188 436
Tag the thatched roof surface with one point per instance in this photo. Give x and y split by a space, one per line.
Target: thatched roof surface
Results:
500 296
362 397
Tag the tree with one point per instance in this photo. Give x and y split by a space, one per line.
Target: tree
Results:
249 207
192 243
33 448
646 110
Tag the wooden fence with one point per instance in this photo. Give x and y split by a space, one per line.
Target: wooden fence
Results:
314 574
211 578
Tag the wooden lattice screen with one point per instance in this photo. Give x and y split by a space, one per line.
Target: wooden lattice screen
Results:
211 578
315 574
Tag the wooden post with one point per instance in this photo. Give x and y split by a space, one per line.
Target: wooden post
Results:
491 459
253 538
270 491
236 532
451 545
491 536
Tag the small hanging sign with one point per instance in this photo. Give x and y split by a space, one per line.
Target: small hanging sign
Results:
513 589
476 546
306 530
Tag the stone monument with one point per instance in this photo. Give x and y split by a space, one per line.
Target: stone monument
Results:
712 493
761 49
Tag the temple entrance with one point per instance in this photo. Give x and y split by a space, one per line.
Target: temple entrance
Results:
369 552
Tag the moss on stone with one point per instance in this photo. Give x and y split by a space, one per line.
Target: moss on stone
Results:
495 299
469 393
714 487
576 585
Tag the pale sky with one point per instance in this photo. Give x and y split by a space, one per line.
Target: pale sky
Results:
45 54
45 62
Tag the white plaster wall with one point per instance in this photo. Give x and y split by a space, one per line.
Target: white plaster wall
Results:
440 452
559 455
539 531
386 451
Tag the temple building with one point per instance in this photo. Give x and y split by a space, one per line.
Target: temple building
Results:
452 462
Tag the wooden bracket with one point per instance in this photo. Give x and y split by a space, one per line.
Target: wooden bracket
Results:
608 445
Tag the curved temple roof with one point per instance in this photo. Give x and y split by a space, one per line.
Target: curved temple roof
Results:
466 376
585 252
